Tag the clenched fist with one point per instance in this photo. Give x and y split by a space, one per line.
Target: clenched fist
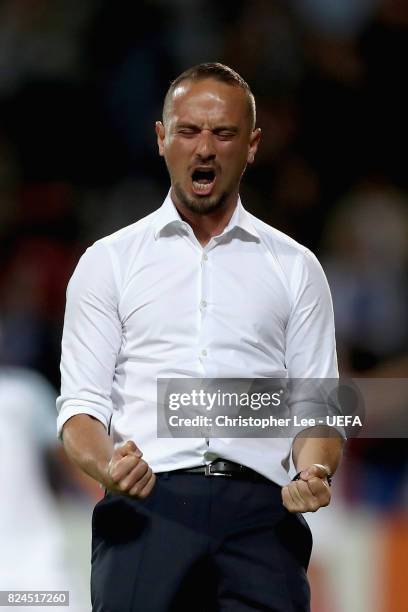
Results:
128 473
310 492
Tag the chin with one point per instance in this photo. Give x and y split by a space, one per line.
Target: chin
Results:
201 205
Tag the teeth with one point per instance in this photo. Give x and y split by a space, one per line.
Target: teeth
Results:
201 186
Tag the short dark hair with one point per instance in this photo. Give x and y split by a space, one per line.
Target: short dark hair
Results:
219 72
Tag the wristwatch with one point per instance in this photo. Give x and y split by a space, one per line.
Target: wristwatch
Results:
329 476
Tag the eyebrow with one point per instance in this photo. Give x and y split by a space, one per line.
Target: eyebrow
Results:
227 128
218 128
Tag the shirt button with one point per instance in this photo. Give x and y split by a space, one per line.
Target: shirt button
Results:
204 353
205 257
203 304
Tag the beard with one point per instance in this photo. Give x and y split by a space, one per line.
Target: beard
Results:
201 205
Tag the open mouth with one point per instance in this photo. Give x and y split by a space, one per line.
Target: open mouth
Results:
203 180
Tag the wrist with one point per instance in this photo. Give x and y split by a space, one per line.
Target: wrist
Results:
324 467
103 473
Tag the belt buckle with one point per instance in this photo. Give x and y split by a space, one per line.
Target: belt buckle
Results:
208 471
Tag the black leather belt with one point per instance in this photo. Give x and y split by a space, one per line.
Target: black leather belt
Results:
222 467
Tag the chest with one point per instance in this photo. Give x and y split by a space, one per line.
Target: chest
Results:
181 291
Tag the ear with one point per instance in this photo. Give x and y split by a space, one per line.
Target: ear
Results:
160 131
253 145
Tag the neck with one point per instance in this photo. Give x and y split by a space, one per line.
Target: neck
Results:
205 226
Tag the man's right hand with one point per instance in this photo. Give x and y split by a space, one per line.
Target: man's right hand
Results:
128 473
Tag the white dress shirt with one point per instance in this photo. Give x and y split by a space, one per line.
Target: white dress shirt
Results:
150 302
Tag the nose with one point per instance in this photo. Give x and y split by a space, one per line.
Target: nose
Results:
205 149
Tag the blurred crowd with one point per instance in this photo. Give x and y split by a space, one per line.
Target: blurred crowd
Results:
81 84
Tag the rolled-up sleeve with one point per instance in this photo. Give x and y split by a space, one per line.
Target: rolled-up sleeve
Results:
91 338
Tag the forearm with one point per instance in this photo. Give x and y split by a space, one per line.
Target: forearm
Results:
325 448
88 444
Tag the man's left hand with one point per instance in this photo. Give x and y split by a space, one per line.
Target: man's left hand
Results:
309 493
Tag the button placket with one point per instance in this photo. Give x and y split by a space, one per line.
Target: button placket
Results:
203 307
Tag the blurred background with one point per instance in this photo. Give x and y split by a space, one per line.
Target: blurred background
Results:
81 84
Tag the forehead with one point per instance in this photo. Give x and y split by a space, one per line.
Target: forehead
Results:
208 99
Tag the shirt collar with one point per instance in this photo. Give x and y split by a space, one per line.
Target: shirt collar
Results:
168 215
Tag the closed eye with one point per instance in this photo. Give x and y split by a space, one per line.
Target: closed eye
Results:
187 132
223 133
226 135
187 129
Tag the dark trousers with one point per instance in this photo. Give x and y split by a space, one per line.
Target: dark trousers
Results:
200 544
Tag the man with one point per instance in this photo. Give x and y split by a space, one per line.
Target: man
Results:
199 288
